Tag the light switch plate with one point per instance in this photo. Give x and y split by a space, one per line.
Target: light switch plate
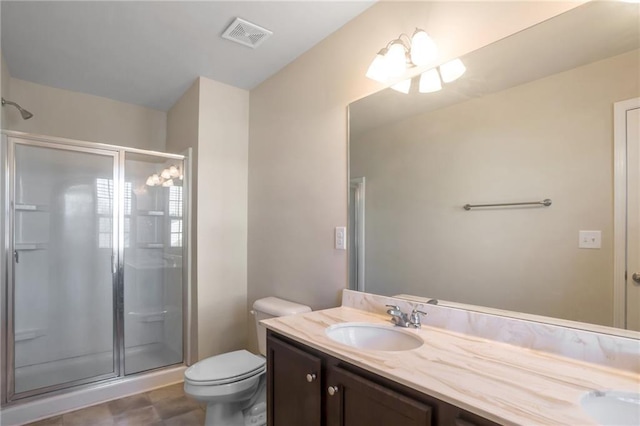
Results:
341 238
590 239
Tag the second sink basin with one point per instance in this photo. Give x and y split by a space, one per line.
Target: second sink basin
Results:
613 407
373 337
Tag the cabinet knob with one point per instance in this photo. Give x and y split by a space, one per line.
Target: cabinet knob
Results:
332 390
311 377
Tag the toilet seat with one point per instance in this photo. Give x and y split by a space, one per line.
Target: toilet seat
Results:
224 369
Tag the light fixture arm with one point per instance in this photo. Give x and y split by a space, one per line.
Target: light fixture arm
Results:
407 44
399 40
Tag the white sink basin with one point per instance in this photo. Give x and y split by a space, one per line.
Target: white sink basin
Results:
373 337
613 407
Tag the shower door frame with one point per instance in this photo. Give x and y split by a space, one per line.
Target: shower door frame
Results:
7 381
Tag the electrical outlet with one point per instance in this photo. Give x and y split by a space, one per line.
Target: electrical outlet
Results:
590 239
341 238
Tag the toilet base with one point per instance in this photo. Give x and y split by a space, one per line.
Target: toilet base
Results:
245 413
224 415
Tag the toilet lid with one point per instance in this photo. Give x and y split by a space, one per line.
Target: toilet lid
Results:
226 368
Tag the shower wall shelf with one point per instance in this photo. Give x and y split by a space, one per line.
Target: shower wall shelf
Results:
150 213
32 207
151 245
149 316
31 246
151 267
29 334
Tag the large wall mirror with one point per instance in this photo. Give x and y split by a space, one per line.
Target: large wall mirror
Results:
531 119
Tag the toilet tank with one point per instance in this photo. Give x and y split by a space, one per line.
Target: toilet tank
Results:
271 307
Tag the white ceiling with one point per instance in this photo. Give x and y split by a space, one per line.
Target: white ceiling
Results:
149 53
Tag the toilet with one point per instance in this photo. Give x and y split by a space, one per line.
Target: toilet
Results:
233 384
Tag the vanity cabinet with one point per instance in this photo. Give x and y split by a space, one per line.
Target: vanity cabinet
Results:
296 398
306 387
355 401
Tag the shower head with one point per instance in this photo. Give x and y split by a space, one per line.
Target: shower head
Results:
23 112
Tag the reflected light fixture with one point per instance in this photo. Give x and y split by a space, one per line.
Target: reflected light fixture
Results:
167 177
404 86
400 54
430 81
452 70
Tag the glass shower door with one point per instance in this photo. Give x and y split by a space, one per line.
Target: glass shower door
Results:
63 278
153 261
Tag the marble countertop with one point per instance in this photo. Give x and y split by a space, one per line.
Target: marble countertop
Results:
504 383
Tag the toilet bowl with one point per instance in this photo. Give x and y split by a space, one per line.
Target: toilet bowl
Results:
230 385
233 384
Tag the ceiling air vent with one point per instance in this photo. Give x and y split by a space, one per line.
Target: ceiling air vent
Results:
246 33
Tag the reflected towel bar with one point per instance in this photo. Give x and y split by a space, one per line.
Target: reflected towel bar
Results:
546 203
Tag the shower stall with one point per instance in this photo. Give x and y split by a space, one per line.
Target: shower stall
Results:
94 263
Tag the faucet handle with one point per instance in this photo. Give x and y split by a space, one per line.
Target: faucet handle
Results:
414 320
394 308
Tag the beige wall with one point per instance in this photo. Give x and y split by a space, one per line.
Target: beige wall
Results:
4 88
214 119
75 115
551 138
182 134
222 218
298 131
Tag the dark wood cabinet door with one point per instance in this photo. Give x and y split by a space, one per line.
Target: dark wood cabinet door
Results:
352 400
293 399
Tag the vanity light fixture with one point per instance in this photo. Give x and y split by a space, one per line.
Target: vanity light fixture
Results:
423 48
400 54
403 53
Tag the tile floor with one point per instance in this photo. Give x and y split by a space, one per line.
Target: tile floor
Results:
167 406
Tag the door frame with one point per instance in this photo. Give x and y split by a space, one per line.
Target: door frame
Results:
357 248
620 189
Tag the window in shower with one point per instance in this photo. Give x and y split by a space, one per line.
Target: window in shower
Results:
175 213
104 197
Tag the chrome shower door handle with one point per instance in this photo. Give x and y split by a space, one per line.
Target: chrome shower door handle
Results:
636 277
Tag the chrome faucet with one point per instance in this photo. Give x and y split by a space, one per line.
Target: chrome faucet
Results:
400 319
414 319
